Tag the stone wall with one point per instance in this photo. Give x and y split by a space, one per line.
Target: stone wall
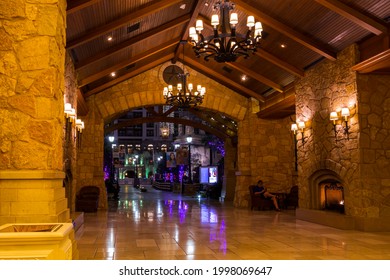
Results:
266 152
373 196
32 55
360 161
327 87
70 138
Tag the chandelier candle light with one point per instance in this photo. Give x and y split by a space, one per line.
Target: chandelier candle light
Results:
227 45
185 97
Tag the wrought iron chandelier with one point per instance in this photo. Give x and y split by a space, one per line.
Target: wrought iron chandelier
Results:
225 45
186 96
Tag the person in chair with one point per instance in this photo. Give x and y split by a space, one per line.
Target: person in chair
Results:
259 189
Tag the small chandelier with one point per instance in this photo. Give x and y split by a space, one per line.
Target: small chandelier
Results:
227 45
185 97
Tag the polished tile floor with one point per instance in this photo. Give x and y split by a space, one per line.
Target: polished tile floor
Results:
158 225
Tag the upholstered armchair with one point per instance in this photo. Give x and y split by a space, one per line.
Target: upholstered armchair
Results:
258 201
292 198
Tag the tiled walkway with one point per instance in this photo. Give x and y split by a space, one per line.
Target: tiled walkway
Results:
157 225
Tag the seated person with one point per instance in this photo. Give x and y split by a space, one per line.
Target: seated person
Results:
259 189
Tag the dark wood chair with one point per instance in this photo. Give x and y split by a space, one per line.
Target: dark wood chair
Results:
258 201
292 198
87 199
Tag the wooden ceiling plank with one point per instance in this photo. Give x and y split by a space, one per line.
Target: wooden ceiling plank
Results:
105 28
255 75
280 63
315 46
125 44
355 16
129 75
77 5
217 76
121 65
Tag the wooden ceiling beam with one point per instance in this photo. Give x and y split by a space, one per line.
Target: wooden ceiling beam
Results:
184 36
132 60
355 16
378 63
104 29
216 132
77 5
125 44
216 76
279 106
129 75
206 115
280 63
255 75
288 31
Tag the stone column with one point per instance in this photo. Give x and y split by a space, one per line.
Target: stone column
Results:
229 178
32 54
89 170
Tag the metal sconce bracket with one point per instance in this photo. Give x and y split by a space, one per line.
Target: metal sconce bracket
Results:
298 127
334 117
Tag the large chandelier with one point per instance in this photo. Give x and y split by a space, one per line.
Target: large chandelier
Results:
225 46
185 96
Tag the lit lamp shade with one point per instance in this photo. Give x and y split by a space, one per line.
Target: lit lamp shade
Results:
333 117
345 113
214 20
199 25
233 18
250 22
192 32
301 125
294 127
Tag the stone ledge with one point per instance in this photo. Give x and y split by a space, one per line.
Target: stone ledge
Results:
31 174
342 221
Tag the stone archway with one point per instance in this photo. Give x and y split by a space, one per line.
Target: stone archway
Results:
142 90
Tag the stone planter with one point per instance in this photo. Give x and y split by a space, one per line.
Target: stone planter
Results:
39 241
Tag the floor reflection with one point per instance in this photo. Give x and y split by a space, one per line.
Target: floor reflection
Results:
162 225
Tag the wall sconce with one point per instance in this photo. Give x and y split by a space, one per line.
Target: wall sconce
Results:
79 130
294 129
345 113
299 127
70 115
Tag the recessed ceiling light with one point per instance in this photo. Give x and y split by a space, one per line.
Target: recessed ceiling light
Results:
113 74
182 6
283 46
244 78
109 38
